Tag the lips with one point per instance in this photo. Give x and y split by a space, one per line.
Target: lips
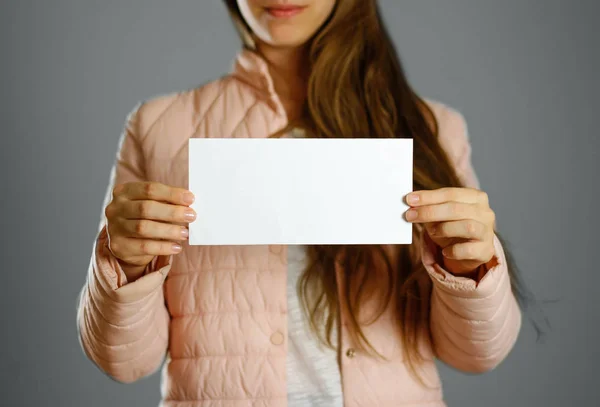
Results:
284 11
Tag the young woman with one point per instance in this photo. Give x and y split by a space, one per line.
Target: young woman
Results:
298 326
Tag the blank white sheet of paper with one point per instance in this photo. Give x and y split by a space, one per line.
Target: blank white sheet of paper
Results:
300 191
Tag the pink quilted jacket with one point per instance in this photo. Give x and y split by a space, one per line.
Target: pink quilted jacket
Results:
217 315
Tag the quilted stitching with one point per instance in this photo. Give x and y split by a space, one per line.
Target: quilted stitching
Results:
218 307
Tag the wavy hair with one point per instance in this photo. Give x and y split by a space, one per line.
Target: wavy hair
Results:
357 88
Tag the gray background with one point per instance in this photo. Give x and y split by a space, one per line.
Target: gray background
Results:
523 72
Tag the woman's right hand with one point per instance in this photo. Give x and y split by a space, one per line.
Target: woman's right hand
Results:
145 220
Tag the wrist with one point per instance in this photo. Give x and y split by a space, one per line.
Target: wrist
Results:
132 271
457 269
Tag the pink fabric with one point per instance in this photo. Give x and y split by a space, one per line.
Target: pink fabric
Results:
217 314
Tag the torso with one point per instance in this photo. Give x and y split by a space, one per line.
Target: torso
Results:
229 304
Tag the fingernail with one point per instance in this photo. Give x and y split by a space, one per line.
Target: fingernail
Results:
188 198
185 233
445 252
176 248
411 214
190 215
412 198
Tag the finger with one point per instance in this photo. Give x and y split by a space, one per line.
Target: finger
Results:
441 195
124 247
466 229
158 211
149 229
480 251
156 191
443 212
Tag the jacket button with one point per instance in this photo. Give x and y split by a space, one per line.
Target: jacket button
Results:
277 338
350 353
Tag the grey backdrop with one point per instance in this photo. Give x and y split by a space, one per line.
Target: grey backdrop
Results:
523 72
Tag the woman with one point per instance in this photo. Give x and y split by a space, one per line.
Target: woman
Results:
298 326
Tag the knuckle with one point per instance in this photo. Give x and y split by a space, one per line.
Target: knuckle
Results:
140 228
112 210
145 209
471 227
117 190
145 247
109 211
150 189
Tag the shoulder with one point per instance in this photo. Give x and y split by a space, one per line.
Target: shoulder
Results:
450 121
452 129
189 104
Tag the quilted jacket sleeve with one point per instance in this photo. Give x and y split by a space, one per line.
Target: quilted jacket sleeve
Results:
474 324
123 326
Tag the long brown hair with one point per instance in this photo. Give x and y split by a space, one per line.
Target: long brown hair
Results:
357 88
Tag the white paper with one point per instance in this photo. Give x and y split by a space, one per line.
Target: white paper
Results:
300 191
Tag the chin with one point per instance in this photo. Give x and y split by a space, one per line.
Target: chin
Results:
288 43
287 37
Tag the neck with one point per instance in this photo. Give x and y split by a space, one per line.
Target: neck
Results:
289 70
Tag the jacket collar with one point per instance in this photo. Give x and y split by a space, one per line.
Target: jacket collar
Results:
252 69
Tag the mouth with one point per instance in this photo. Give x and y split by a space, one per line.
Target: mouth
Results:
284 10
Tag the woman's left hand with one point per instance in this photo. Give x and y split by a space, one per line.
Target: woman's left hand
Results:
460 221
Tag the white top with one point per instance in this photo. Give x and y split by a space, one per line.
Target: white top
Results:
313 372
